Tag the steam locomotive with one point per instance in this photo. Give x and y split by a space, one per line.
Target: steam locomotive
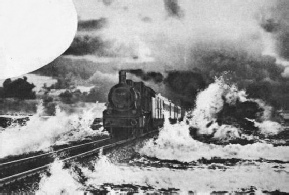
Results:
134 109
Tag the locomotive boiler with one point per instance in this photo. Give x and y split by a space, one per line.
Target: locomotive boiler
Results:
134 109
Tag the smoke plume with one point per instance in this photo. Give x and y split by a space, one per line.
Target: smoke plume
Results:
147 76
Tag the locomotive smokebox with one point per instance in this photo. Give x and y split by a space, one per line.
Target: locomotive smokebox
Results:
122 76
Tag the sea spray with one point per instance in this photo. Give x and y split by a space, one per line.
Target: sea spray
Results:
42 132
269 128
60 181
199 179
175 143
263 176
242 176
226 132
210 102
210 114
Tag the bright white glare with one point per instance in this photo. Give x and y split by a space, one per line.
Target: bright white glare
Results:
34 33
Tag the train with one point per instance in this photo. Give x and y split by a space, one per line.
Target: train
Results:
135 109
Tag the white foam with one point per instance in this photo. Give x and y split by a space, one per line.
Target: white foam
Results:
200 179
262 176
40 133
61 181
269 127
175 143
211 101
225 132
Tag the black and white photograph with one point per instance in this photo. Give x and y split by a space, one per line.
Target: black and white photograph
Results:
152 97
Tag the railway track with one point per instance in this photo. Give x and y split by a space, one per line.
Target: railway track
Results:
17 169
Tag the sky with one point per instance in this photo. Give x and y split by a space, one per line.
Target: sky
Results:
168 31
187 42
247 38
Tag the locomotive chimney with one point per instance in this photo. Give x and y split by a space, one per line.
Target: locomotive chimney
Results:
122 76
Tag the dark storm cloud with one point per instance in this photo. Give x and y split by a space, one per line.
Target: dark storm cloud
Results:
259 75
276 21
88 44
107 2
91 25
283 45
85 45
97 47
238 61
270 25
75 69
173 9
146 19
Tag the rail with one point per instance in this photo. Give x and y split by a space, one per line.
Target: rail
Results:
31 171
19 176
22 165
